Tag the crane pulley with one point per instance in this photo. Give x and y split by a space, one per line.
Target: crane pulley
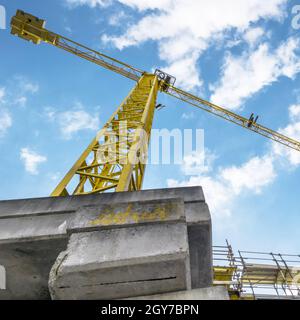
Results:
124 139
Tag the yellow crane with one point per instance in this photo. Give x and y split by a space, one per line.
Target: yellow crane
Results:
119 150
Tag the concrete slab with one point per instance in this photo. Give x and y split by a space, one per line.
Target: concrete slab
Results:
25 224
211 293
118 263
50 205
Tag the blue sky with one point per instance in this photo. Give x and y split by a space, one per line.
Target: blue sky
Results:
243 55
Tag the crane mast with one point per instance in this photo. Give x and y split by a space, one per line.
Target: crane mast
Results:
116 158
119 151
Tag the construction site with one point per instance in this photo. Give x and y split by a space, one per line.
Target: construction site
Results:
101 236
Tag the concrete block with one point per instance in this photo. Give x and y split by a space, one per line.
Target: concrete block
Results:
211 293
33 227
125 262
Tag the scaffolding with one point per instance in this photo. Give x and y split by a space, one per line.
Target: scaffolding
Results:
257 275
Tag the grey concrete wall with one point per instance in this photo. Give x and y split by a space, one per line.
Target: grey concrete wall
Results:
34 231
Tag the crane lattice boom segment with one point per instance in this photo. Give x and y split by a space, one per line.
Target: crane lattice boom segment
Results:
118 153
31 28
232 117
133 118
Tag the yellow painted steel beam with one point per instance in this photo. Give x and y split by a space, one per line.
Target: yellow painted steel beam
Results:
31 28
233 117
124 168
260 274
141 138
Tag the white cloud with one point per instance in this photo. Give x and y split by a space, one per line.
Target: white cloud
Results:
26 86
2 94
198 18
253 35
228 184
5 122
21 101
198 163
31 160
68 29
253 175
77 120
117 18
30 87
295 112
91 3
74 120
13 95
54 176
136 4
18 91
5 117
217 194
292 130
183 66
188 116
185 28
246 75
50 113
147 4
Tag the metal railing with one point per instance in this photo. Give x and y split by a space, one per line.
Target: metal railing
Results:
257 275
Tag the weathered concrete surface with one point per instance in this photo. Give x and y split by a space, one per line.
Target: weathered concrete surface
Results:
124 215
34 227
200 243
29 246
123 262
34 231
50 205
27 267
211 293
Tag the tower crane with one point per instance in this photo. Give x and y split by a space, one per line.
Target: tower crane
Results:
119 150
